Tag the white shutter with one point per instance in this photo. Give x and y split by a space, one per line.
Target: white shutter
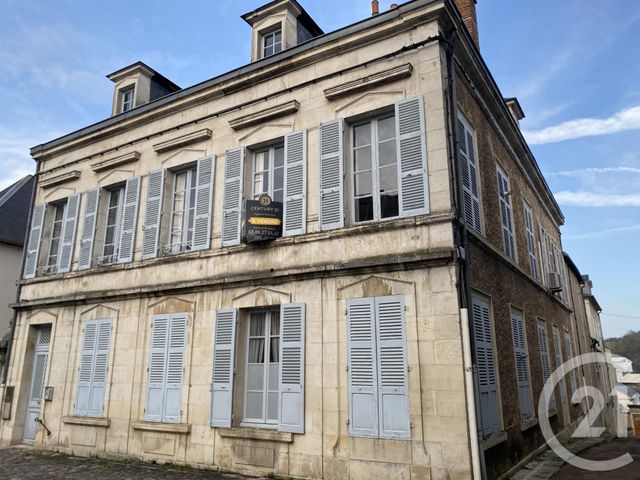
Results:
544 358
559 362
469 175
505 214
157 368
92 200
412 156
129 220
85 370
522 366
295 183
291 381
485 363
331 175
175 369
363 376
569 352
543 255
35 236
232 202
204 197
531 241
153 214
68 233
100 368
223 367
393 388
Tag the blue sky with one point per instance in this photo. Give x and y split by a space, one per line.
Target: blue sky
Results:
574 65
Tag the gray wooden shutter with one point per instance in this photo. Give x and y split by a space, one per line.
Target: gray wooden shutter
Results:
100 368
92 200
531 241
153 214
129 220
393 385
157 368
559 362
204 197
485 363
412 156
291 382
362 365
35 236
544 358
85 370
469 176
68 233
295 183
223 367
175 369
543 255
505 215
572 373
331 175
232 202
522 366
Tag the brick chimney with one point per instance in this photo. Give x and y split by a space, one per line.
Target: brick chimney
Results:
468 11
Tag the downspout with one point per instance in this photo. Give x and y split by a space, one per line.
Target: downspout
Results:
463 280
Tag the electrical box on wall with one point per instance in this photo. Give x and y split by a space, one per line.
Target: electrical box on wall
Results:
48 394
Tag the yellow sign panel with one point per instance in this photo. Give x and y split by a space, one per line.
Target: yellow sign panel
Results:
264 221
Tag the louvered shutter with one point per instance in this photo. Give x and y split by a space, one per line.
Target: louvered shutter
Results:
291 382
68 233
35 236
232 202
100 368
92 200
531 241
157 368
558 352
522 366
543 255
544 358
295 183
363 375
572 373
129 220
204 197
412 156
331 175
85 370
223 367
485 363
393 388
505 215
175 369
153 214
469 176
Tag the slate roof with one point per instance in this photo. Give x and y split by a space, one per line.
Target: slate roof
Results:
14 211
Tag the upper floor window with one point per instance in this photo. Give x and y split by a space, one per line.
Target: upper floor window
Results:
468 165
504 195
531 243
268 173
126 99
375 169
182 211
271 43
113 224
56 237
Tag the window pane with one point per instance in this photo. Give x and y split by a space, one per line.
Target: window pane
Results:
256 350
363 184
387 153
256 325
254 405
278 196
388 179
274 328
389 205
386 128
362 159
277 36
362 135
272 407
272 384
278 178
364 209
274 350
278 154
268 40
255 377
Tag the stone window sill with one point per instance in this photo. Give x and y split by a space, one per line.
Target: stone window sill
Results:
495 440
162 427
256 434
526 425
88 421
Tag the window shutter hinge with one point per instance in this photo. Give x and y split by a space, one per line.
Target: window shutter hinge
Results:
181 412
348 421
405 308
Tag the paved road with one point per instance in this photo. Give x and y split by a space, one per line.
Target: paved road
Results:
26 464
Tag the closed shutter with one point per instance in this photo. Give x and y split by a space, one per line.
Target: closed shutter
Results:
85 370
559 362
543 256
35 236
362 365
485 363
412 156
153 214
204 197
223 367
522 366
100 368
175 369
505 215
92 200
572 373
469 175
291 384
331 175
393 389
68 234
295 183
129 220
531 242
157 368
544 358
232 202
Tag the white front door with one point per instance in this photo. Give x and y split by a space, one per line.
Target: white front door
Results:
36 388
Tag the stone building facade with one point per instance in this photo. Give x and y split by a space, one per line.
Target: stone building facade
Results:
373 339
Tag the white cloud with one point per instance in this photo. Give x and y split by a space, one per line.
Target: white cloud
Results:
593 171
628 119
602 233
591 199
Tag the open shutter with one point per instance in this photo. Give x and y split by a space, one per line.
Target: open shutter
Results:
544 358
295 183
232 201
68 234
543 255
559 363
363 376
291 382
157 368
505 215
331 175
412 156
223 367
175 369
572 373
393 393
153 214
85 371
204 197
485 363
522 366
92 200
469 175
35 236
100 367
129 220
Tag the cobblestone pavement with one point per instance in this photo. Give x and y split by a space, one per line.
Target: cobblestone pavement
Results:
19 463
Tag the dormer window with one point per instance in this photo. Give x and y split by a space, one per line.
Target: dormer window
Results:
271 43
126 99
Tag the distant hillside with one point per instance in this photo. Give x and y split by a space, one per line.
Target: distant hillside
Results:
627 346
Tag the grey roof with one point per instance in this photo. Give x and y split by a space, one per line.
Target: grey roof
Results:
14 211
